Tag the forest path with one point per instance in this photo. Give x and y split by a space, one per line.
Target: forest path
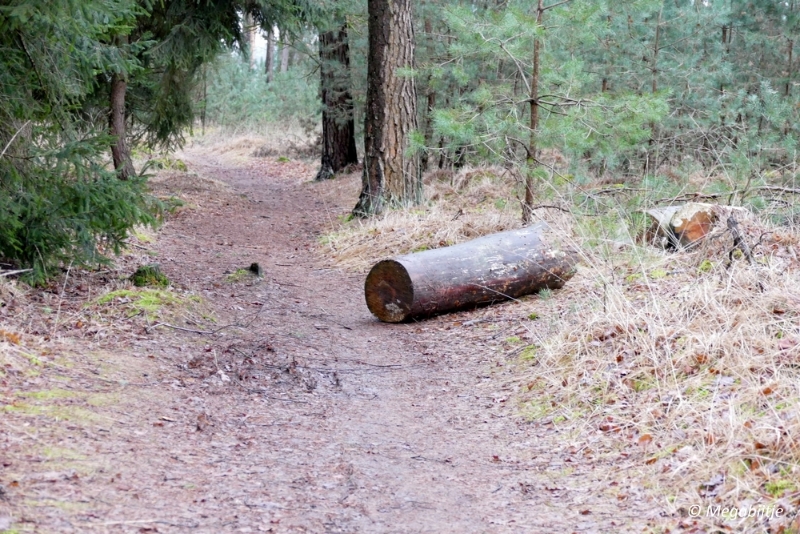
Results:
307 414
391 428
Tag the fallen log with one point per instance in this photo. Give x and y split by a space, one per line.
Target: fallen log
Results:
489 269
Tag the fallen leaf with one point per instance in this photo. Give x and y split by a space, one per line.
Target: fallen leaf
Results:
645 439
11 337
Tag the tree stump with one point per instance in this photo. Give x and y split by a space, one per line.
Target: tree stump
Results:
489 269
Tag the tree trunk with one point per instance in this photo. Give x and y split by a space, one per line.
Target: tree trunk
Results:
390 176
338 126
284 53
489 269
431 105
527 206
788 90
119 150
270 61
250 32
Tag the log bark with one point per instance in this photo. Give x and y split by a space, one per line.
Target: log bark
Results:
489 269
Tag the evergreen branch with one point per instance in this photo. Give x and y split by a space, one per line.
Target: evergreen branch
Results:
516 62
39 77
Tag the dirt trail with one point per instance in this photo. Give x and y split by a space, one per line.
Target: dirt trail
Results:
313 416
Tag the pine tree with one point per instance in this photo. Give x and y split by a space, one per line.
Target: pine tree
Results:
338 124
391 175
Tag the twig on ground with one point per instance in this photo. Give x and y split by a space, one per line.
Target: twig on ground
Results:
12 273
204 332
551 207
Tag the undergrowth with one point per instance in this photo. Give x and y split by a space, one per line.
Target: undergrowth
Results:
687 362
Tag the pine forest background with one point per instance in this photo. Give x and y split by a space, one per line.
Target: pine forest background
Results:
658 98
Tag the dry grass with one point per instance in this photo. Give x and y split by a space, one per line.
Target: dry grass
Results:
696 372
686 362
236 146
460 207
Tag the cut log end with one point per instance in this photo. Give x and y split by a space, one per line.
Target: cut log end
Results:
389 291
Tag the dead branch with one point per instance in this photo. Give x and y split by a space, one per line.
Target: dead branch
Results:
738 241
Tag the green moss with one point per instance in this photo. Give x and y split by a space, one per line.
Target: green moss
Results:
136 301
513 340
533 316
705 266
144 238
635 277
778 487
102 399
60 453
283 159
655 274
59 413
537 409
168 163
149 276
528 354
238 275
32 358
49 394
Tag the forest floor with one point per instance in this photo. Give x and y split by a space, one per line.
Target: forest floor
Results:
237 403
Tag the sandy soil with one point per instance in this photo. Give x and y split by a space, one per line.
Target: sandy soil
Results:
297 411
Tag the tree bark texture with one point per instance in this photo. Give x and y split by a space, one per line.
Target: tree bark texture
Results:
338 125
284 52
270 61
250 38
390 176
489 269
119 149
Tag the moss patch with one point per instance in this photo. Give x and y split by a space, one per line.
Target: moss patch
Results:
137 301
149 276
